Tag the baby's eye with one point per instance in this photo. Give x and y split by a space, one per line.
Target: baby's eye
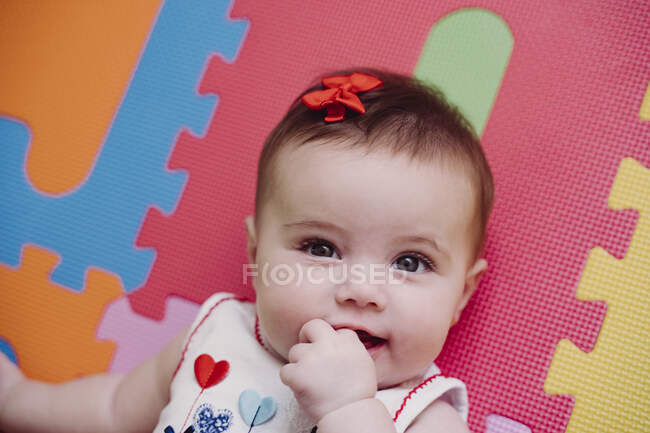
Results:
319 248
413 262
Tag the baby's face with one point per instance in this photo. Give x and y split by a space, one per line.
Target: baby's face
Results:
372 243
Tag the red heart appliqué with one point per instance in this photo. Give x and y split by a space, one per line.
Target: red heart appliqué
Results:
208 373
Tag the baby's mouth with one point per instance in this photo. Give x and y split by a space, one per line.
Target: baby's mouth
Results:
369 341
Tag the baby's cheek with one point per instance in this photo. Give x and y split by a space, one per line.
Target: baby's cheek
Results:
285 321
429 335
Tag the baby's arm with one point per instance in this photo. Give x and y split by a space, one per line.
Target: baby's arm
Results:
369 415
99 403
439 416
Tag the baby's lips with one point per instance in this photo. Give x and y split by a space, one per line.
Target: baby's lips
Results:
361 331
368 340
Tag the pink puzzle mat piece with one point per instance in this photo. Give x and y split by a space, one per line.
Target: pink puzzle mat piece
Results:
500 424
139 337
565 115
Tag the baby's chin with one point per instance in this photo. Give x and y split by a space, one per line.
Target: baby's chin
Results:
388 383
277 351
391 377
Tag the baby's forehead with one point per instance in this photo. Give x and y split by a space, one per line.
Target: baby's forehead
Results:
326 159
382 160
353 184
352 149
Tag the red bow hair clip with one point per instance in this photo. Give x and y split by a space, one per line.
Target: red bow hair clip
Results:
340 93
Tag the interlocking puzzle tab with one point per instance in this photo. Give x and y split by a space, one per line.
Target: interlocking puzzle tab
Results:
51 328
139 337
96 224
476 60
611 384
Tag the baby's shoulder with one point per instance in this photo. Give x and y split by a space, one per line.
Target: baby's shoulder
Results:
223 306
216 300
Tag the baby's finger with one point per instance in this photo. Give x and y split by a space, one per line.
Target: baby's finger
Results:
346 331
298 351
288 374
315 329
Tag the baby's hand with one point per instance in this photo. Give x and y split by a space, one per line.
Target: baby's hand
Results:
10 375
328 369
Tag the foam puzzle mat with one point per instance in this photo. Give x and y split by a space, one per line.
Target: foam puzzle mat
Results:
128 165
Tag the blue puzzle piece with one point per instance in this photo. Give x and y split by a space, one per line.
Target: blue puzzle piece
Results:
97 223
6 348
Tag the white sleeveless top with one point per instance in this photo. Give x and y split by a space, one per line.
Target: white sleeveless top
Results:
236 392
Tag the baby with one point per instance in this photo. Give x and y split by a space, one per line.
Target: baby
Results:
372 200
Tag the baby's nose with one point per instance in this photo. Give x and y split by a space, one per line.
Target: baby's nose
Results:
362 295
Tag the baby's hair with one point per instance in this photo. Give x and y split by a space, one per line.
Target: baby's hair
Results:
404 116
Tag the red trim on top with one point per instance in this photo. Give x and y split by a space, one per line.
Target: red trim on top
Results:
233 298
258 336
413 391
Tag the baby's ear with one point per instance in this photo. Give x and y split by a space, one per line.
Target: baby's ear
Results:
472 279
251 239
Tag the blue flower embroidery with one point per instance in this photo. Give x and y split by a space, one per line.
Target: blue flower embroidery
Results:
206 420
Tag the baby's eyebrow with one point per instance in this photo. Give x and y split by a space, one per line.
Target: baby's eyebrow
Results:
314 224
424 240
323 225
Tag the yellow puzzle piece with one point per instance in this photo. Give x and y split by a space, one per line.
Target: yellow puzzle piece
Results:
611 383
644 112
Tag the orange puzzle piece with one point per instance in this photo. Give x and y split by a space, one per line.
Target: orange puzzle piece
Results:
66 68
51 328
